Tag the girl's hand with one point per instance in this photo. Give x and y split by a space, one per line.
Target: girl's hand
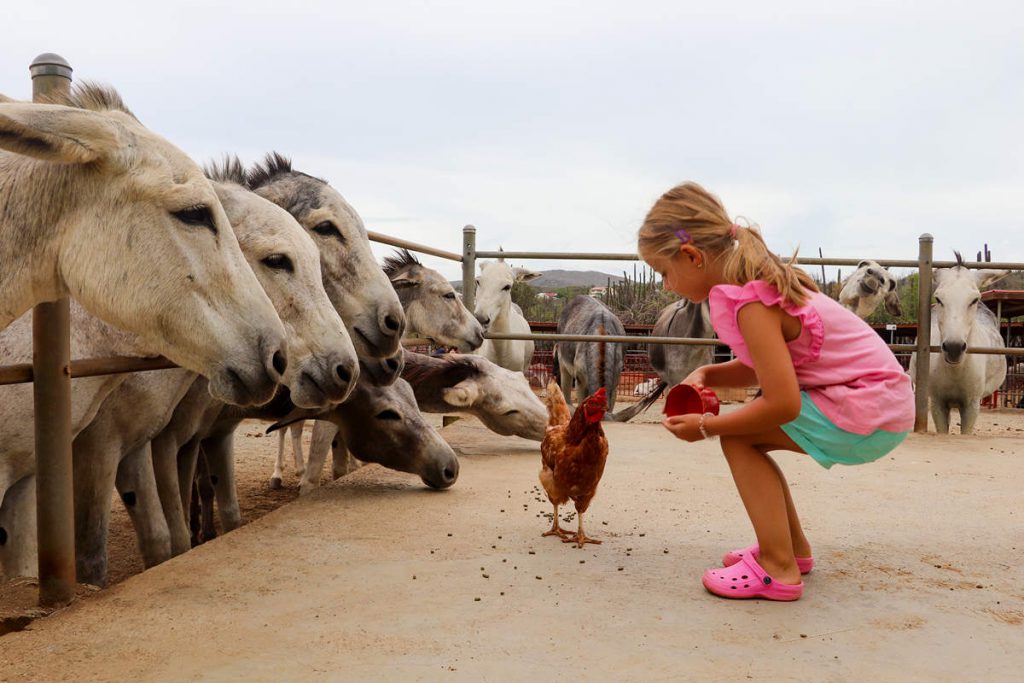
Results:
698 378
684 427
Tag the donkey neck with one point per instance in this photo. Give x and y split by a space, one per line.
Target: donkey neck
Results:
36 199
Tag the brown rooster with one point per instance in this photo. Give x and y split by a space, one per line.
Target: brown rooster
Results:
573 454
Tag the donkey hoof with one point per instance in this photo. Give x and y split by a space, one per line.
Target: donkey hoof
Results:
275 483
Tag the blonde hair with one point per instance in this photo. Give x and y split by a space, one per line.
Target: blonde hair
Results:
689 214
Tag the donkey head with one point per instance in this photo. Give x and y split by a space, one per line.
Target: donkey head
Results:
141 240
494 289
867 287
957 298
357 287
322 363
432 308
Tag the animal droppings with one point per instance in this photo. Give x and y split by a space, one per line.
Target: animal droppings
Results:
532 552
538 578
476 599
413 577
621 568
582 561
449 535
486 576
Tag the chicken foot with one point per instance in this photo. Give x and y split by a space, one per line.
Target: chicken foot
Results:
579 538
556 530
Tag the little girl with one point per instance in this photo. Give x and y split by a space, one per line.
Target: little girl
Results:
830 387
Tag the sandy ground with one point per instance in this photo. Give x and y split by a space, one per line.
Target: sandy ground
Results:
375 577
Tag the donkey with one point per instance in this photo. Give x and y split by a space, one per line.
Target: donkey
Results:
357 287
322 369
384 425
867 287
959 319
673 362
496 312
432 308
100 208
590 364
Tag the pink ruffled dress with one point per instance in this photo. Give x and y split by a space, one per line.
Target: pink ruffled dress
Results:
842 364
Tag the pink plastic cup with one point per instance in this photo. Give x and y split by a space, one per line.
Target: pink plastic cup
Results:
687 399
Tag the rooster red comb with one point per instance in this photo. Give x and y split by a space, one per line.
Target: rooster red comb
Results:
599 395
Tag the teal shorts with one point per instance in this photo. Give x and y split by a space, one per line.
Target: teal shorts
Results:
829 445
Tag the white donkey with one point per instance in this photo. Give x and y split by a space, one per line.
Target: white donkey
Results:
98 207
322 370
958 379
867 287
496 312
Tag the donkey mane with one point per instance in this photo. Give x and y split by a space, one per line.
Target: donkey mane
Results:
446 371
273 167
93 97
227 170
402 259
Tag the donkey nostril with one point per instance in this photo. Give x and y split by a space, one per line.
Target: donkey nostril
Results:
343 374
392 364
449 474
391 323
279 362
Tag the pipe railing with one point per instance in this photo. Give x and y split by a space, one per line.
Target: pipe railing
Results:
52 369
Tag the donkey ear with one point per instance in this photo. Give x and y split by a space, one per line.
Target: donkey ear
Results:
524 275
404 280
462 395
56 133
987 277
892 303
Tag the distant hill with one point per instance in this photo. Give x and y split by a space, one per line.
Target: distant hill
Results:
555 279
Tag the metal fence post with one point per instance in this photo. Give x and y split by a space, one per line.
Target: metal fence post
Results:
51 360
469 267
924 332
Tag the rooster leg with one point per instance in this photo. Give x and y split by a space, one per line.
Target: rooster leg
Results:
556 530
580 538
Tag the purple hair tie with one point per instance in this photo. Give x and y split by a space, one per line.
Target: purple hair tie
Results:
683 236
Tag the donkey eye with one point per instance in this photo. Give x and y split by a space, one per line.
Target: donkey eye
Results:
506 288
975 302
450 295
388 415
279 262
511 412
938 301
198 216
328 229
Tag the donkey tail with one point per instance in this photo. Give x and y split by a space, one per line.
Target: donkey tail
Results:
627 414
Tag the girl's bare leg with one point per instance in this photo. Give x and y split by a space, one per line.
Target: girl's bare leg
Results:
764 494
801 546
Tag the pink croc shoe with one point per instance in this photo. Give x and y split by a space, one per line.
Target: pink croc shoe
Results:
804 564
746 579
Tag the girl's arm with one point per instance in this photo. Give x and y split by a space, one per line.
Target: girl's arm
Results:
730 374
761 327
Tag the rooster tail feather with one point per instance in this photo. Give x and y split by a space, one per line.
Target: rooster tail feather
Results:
558 410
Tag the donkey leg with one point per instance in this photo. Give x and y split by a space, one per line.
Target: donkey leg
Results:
136 484
565 382
205 492
220 460
343 460
18 550
940 416
969 410
165 466
296 432
277 477
94 467
323 434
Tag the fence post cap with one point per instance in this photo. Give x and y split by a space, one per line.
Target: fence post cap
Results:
926 237
469 228
50 64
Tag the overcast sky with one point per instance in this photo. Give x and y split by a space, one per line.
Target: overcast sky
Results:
549 125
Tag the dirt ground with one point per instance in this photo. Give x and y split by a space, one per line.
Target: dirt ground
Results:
375 577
